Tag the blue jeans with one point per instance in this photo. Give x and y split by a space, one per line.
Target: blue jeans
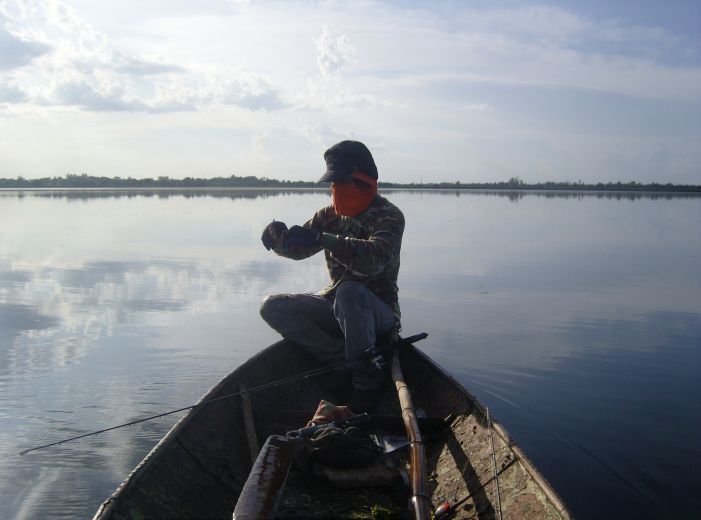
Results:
333 331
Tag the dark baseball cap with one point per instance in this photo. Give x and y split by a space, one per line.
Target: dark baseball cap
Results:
344 158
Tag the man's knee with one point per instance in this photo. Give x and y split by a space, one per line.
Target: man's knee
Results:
349 293
272 307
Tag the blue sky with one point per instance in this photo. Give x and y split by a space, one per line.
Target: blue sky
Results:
470 91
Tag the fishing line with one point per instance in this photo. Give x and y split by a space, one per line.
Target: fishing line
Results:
219 290
265 386
217 294
538 420
291 379
497 495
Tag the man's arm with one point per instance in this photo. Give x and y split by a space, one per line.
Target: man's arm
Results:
294 243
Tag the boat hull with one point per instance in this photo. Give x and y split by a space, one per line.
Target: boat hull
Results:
201 465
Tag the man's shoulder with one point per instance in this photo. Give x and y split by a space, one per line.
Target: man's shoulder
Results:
383 207
326 212
325 216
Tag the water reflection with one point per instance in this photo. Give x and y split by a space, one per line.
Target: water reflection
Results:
15 318
616 407
262 193
81 305
101 321
91 194
575 317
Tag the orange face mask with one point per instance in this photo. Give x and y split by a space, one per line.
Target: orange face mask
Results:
350 199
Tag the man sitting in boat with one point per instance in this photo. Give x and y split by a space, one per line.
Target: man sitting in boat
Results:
361 236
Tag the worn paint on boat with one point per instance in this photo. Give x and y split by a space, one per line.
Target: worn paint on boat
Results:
199 468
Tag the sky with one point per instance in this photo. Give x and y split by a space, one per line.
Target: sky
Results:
469 91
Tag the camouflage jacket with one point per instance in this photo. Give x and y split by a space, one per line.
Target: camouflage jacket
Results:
364 248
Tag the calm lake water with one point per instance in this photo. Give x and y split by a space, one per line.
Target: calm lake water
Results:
575 318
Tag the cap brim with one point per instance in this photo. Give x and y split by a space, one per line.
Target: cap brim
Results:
334 175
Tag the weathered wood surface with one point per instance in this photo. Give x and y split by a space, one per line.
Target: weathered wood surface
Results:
199 468
261 494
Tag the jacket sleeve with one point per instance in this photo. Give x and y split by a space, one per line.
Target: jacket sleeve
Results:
302 252
369 256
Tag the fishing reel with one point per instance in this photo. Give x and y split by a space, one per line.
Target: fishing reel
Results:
375 357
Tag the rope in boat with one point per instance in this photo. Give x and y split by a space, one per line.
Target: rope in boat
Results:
497 496
291 379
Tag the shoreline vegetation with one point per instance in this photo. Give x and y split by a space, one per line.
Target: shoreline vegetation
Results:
85 181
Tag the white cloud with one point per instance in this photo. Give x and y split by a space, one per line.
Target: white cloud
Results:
478 107
334 92
239 3
186 92
85 71
11 93
102 98
17 51
252 92
333 52
322 134
131 65
330 89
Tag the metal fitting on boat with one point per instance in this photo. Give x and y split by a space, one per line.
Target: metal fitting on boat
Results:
376 359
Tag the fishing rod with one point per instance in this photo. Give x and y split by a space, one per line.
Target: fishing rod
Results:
264 386
291 379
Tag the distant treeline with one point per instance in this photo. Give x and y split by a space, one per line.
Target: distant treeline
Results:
90 181
234 181
73 194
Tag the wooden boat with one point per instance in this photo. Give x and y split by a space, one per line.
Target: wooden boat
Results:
199 468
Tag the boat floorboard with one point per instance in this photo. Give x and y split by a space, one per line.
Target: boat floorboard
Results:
311 497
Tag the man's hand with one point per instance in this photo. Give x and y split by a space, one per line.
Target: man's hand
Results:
301 236
273 234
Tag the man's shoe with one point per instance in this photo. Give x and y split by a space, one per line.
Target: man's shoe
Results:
364 400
